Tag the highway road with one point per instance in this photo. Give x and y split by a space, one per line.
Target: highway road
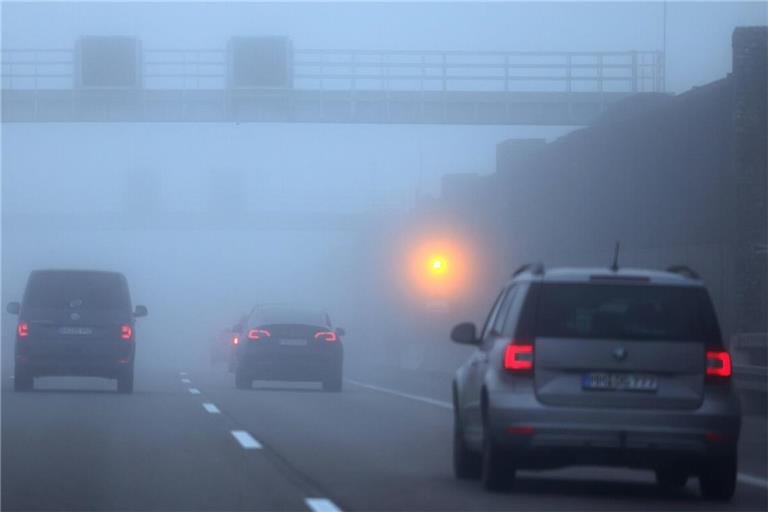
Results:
188 440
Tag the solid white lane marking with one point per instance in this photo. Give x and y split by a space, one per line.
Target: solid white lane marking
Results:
194 391
418 398
186 381
245 440
211 408
752 480
321 505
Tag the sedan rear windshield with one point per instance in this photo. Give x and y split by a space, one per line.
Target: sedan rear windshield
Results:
278 316
633 312
82 290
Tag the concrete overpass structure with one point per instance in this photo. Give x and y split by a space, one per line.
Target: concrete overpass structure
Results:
115 79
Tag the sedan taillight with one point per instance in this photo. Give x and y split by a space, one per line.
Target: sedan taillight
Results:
257 334
23 329
326 336
518 357
718 364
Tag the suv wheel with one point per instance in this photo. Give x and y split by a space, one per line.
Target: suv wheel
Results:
22 380
466 464
671 478
718 478
125 381
498 473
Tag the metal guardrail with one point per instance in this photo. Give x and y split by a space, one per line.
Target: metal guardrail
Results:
369 70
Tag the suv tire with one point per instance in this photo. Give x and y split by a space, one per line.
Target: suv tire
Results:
718 477
498 473
466 463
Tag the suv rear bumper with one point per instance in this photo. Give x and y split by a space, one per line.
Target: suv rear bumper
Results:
73 367
549 436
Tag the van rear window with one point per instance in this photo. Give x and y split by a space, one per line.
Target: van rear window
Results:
83 290
632 312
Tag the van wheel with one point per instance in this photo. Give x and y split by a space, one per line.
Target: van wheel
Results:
242 381
466 463
718 478
498 473
671 478
125 381
23 380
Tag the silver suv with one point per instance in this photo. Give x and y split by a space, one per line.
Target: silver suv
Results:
598 367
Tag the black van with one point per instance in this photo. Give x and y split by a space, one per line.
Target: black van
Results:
75 323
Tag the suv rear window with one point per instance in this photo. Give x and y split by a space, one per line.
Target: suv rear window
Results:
85 290
636 312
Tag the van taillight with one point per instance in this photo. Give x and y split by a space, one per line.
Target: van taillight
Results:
257 334
718 363
326 336
23 329
126 332
518 356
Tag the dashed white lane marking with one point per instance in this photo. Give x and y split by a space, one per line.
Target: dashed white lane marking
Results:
245 440
194 391
752 480
211 408
186 381
321 505
424 399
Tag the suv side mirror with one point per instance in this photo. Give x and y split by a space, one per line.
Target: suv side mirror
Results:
465 333
13 308
340 331
140 311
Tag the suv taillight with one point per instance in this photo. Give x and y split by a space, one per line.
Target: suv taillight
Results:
23 329
126 332
518 357
718 364
326 336
257 334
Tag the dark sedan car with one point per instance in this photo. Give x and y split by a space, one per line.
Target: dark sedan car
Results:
289 344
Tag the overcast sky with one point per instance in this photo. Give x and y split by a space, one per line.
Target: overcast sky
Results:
351 164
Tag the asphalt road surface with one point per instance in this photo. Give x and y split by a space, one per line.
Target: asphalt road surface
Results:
188 440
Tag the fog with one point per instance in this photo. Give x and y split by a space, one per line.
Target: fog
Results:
182 202
391 164
208 219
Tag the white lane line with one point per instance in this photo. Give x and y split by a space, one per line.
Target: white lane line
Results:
245 440
752 480
211 408
182 373
194 391
186 381
321 505
418 398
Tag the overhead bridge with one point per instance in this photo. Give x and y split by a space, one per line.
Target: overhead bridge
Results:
267 80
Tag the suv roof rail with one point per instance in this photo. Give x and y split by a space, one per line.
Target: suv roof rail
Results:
533 268
683 270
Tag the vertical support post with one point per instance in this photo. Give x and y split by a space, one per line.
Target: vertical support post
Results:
634 71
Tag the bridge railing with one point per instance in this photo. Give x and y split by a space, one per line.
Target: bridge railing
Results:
369 70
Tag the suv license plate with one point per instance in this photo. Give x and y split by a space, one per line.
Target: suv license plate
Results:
619 381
